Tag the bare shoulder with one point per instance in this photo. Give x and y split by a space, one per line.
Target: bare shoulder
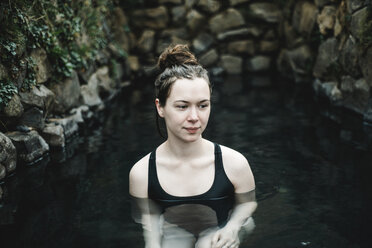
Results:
138 178
237 170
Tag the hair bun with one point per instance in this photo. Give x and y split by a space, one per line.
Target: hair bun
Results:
175 56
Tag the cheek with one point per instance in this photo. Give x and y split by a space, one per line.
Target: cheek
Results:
206 114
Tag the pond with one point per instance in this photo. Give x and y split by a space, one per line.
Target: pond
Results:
312 173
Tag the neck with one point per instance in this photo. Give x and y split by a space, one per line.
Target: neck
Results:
181 149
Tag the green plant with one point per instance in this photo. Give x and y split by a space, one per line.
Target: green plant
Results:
7 90
30 79
72 32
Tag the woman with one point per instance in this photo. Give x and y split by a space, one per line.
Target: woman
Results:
188 169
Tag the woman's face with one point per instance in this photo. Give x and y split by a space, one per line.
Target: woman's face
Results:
187 109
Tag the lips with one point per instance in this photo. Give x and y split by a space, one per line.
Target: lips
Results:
192 129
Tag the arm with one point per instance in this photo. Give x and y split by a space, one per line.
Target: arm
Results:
144 210
148 214
239 172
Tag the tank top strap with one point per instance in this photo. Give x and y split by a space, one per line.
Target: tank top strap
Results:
218 159
153 182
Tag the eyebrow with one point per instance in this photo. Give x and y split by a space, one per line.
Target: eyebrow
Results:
183 101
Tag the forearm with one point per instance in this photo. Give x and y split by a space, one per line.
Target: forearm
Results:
245 205
151 230
147 213
240 214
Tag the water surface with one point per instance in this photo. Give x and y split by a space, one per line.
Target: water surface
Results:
312 173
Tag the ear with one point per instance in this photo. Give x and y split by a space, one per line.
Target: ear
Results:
159 108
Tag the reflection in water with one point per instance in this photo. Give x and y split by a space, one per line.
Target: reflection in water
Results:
313 176
195 224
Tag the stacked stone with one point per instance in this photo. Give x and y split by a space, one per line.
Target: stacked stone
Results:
46 117
234 36
339 65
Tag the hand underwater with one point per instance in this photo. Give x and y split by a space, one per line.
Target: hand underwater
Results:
226 237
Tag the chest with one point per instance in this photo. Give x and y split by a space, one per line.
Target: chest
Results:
186 178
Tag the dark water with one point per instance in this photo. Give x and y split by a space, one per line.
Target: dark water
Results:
312 174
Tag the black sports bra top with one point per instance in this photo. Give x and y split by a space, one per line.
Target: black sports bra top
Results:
220 196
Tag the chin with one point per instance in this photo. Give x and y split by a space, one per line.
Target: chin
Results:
192 138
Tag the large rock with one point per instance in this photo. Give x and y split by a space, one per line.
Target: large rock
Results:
231 18
304 17
155 18
39 96
328 90
54 135
241 47
106 85
119 29
366 65
181 33
81 114
210 6
134 63
165 42
209 58
8 153
202 42
89 92
353 5
146 41
2 174
296 62
43 68
14 107
33 117
258 63
241 32
349 57
119 17
3 72
30 146
170 1
326 19
268 12
195 20
267 46
236 2
327 56
190 3
368 113
179 14
69 124
358 21
321 3
231 64
292 38
355 94
67 94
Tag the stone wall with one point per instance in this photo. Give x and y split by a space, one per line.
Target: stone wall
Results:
46 116
323 43
329 43
234 37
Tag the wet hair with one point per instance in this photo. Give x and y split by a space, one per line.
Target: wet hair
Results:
176 62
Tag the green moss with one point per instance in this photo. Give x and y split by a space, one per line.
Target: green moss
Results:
7 90
70 31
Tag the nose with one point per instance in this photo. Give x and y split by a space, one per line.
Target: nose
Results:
193 115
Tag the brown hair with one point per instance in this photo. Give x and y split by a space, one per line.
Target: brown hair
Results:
176 62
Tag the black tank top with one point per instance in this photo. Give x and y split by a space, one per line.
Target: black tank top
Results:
220 197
